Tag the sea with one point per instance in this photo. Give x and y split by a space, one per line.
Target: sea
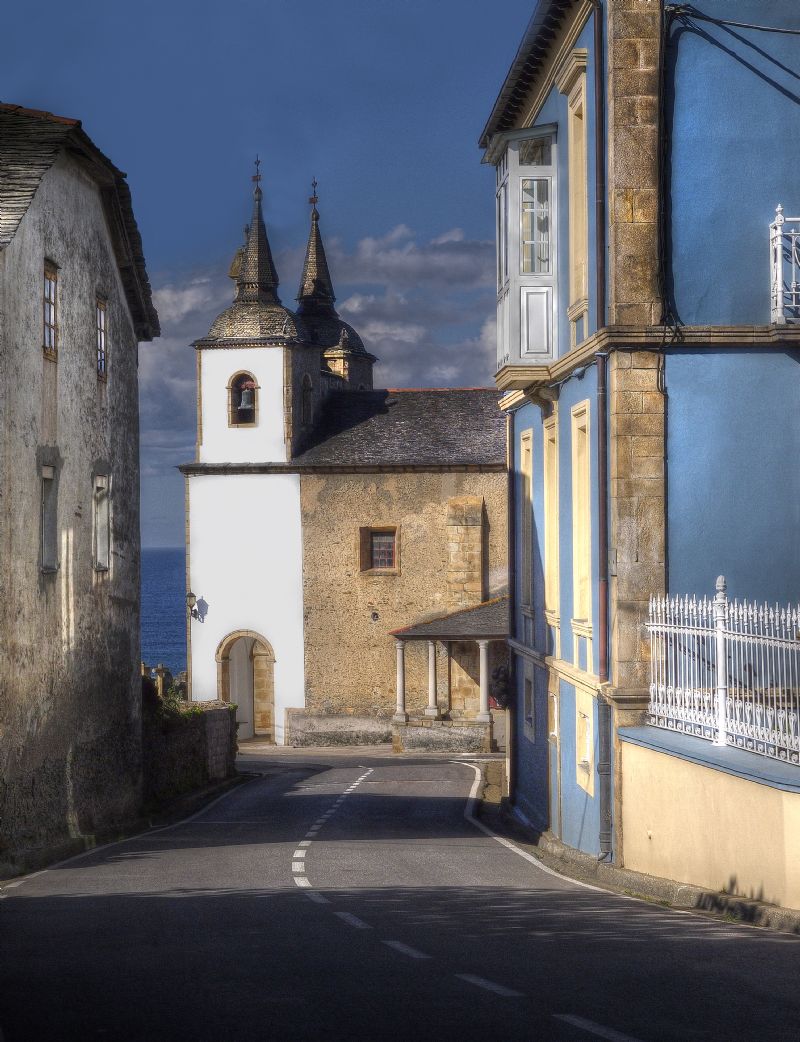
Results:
164 607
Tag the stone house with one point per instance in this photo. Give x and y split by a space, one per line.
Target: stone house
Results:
322 515
74 303
648 348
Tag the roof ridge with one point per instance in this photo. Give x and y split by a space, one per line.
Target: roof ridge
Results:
39 114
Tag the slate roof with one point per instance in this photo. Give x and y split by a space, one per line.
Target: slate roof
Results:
30 142
435 426
540 33
486 621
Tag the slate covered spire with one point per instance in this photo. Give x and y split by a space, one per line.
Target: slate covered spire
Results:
316 288
256 277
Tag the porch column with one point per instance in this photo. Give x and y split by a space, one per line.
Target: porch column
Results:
400 716
432 709
483 648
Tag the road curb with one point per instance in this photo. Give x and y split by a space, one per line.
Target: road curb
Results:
509 823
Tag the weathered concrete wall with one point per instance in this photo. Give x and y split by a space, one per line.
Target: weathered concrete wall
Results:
336 729
443 736
70 719
349 656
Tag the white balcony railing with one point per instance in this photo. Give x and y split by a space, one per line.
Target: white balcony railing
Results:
727 671
784 247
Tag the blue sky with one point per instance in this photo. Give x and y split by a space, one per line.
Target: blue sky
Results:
382 102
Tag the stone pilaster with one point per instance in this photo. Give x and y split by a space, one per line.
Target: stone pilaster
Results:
637 513
633 84
465 551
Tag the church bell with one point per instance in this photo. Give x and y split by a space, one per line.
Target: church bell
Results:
247 399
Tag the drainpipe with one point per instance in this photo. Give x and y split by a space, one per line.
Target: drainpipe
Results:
604 714
511 525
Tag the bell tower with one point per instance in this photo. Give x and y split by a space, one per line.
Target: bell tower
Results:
343 353
255 363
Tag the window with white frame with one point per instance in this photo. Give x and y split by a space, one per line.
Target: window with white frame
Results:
526 247
581 537
102 523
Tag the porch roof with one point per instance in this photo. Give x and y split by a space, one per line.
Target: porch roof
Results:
485 621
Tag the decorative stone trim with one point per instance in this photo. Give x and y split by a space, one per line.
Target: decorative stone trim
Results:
571 69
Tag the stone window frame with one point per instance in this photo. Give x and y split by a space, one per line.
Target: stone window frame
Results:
101 335
581 509
48 520
101 522
230 389
571 81
551 469
365 534
50 317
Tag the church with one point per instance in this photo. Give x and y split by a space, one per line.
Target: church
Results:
346 546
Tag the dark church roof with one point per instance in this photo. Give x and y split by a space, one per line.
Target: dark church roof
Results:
30 143
437 426
485 621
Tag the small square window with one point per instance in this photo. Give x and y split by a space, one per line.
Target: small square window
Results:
378 549
381 547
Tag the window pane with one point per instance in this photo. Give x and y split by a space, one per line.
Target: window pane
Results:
535 152
535 231
382 549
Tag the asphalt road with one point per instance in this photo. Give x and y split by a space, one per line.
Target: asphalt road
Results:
349 897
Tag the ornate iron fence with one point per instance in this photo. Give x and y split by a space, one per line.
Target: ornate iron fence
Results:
727 671
784 246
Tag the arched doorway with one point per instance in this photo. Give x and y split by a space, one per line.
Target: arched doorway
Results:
246 677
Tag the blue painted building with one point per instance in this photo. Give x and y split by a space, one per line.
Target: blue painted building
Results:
648 347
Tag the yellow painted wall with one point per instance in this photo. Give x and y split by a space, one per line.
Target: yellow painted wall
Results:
696 825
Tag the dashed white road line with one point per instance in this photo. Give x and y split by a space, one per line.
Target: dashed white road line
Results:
302 881
317 897
352 920
298 866
595 1029
489 985
299 853
405 949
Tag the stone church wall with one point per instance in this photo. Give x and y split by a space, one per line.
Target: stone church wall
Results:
349 613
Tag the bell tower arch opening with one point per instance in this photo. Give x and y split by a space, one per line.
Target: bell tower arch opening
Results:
246 677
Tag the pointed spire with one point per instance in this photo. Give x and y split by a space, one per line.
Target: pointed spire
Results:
316 289
256 277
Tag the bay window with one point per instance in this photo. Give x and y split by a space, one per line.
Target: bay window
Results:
526 248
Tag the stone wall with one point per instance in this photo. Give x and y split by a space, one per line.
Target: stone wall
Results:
633 31
465 531
70 716
187 750
349 613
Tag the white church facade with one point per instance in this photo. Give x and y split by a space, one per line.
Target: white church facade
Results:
317 513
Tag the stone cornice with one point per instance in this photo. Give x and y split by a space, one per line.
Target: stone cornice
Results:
573 66
646 338
199 469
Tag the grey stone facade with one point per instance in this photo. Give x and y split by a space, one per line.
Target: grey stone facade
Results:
70 694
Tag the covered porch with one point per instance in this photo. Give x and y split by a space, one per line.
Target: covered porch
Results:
466 646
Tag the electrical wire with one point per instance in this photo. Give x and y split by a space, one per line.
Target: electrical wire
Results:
686 9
